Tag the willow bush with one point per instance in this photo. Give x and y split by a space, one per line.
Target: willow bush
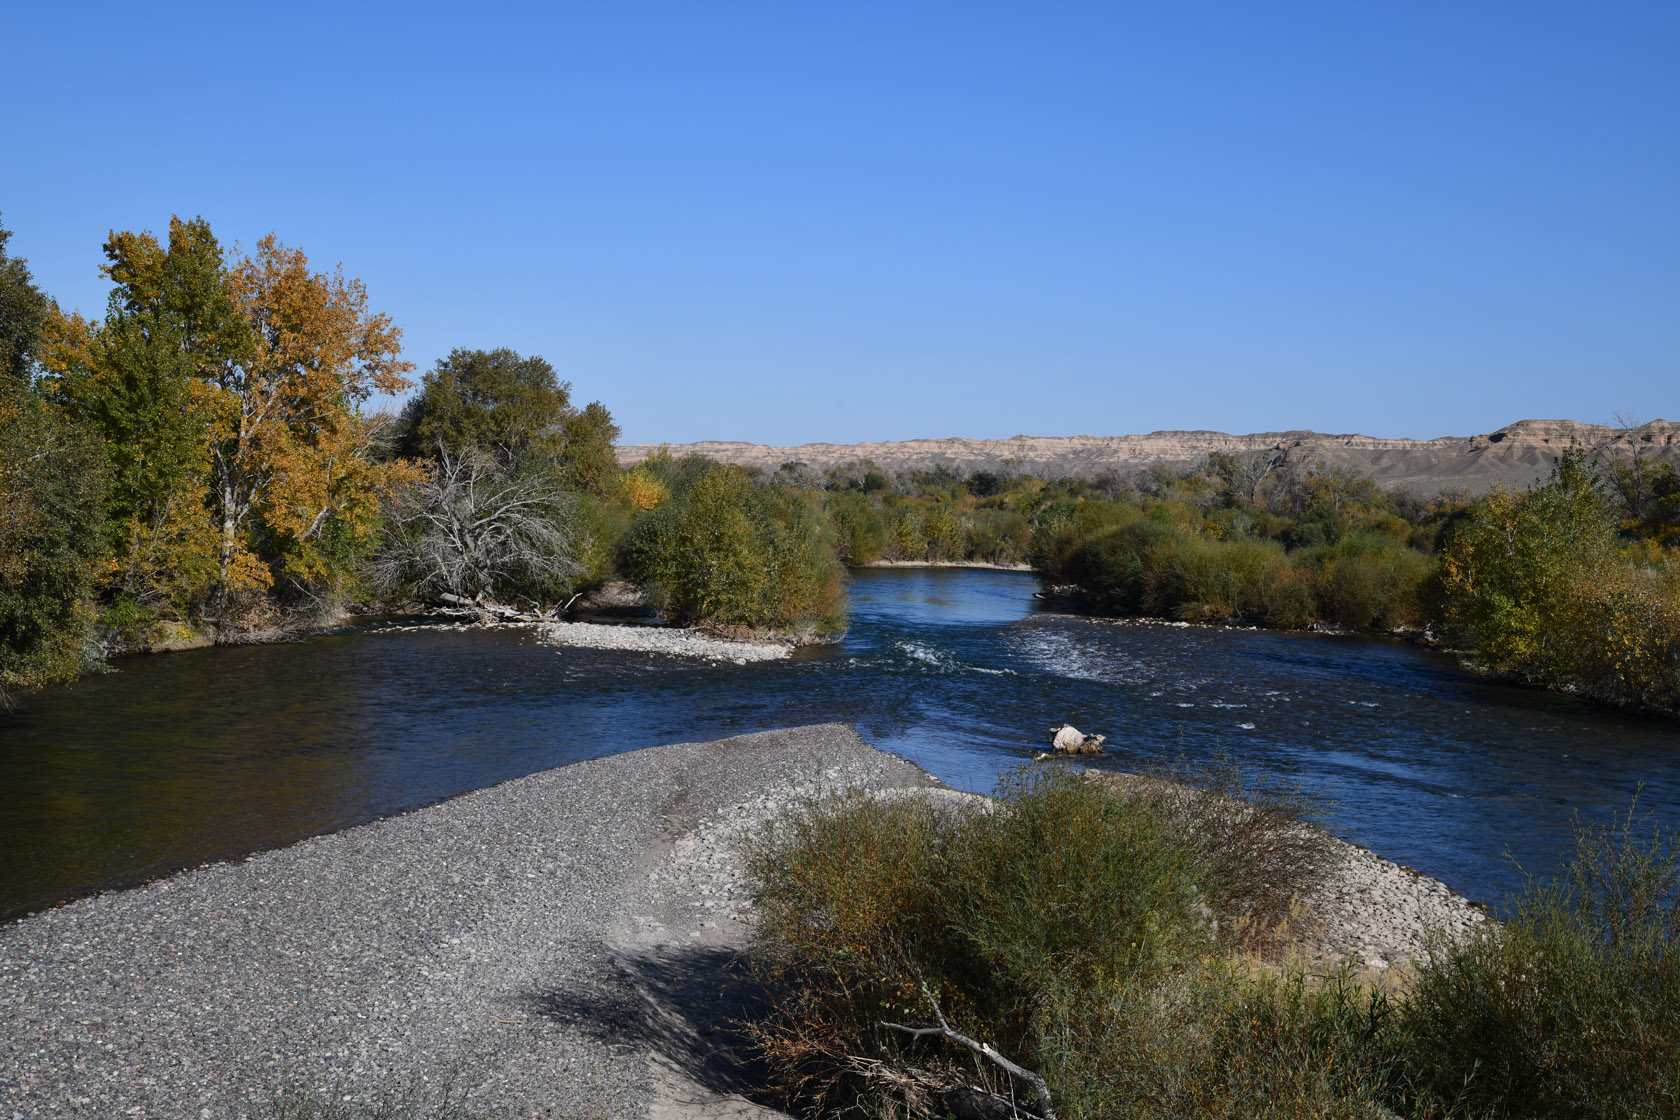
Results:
723 552
1567 1009
1064 927
1539 586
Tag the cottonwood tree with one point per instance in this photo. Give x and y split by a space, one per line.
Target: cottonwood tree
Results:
228 401
291 454
137 381
518 410
473 531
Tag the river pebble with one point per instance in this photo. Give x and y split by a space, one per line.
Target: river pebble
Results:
1379 914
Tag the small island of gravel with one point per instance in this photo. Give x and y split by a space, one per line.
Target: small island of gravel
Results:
671 640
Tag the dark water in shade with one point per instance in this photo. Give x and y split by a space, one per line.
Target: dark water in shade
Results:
181 758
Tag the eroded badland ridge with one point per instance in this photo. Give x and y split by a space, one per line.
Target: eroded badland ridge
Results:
1514 455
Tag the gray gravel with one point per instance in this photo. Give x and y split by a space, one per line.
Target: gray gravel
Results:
662 639
524 935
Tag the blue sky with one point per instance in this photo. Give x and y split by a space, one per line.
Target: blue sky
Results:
791 222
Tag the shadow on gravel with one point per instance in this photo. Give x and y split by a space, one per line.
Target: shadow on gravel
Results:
684 1003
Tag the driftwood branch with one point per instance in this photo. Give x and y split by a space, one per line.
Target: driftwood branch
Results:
943 1030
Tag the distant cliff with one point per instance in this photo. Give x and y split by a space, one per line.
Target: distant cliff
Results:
1514 455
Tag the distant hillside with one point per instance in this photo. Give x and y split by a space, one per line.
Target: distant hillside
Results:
1514 455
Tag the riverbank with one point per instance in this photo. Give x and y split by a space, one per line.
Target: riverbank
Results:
545 936
565 939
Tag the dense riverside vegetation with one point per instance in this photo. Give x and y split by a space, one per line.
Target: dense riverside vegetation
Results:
1573 583
198 466
1069 930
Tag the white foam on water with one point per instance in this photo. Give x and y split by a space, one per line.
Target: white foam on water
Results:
1246 726
1066 656
927 655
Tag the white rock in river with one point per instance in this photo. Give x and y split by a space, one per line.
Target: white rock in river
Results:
1070 740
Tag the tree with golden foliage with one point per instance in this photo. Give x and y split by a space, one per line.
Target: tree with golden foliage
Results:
294 486
228 400
137 380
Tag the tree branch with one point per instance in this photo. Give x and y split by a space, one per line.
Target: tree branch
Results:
943 1030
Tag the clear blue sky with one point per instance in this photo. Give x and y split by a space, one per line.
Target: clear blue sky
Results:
784 222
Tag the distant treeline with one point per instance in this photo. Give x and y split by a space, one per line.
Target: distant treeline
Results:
1573 583
198 464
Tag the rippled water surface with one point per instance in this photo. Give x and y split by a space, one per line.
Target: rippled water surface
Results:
181 758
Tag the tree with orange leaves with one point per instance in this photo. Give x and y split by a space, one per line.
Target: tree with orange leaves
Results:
294 487
228 399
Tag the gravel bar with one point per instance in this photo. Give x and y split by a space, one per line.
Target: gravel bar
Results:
662 639
556 941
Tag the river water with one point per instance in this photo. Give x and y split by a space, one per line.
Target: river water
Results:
177 759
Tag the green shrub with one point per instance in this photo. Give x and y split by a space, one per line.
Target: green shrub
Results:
1065 527
860 528
52 537
906 539
1372 580
1064 926
1536 584
1569 1008
1254 843
999 536
131 624
1224 1041
862 902
598 527
725 553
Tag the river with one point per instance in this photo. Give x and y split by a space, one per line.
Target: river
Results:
177 759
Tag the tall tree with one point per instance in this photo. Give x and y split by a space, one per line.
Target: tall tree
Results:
494 401
137 379
23 309
588 460
516 409
294 484
228 400
51 491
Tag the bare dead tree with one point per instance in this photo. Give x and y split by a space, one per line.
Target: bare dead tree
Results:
471 529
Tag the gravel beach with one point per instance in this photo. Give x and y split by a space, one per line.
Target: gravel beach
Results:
517 935
563 943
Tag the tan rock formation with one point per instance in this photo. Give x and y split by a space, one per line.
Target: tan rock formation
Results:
1513 456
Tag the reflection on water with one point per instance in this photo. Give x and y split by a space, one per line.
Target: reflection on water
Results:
181 758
